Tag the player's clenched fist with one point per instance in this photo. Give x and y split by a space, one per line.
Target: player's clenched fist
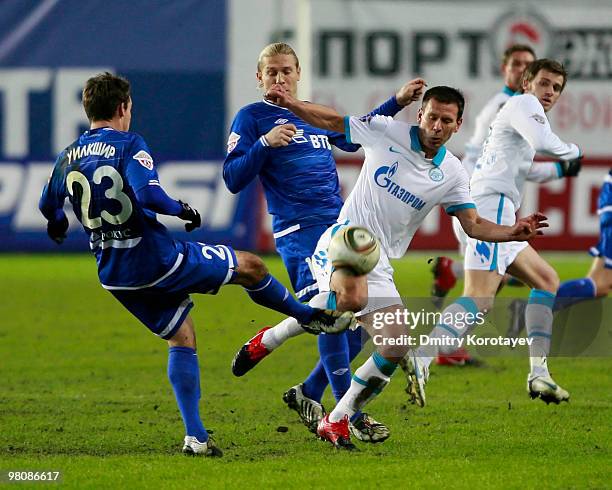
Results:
279 95
280 135
411 91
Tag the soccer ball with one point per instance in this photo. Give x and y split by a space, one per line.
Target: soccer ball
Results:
356 248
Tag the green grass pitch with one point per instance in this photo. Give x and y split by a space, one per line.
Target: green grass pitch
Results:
84 390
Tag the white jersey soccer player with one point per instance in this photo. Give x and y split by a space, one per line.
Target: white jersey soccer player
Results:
395 191
446 271
407 171
520 129
515 59
540 173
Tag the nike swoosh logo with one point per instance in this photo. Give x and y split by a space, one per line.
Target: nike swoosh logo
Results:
393 150
550 385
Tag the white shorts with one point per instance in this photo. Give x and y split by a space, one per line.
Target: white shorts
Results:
485 256
460 235
381 288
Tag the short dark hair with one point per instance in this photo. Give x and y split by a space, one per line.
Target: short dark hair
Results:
516 48
103 94
446 95
547 64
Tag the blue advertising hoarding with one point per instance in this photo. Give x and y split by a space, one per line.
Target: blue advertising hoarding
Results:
173 53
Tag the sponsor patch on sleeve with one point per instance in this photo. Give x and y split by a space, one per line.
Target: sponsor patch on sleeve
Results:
538 118
232 141
144 159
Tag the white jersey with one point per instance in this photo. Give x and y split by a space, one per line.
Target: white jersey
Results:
541 172
398 186
482 123
520 129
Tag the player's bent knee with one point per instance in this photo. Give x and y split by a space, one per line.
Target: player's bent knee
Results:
184 336
351 291
550 282
351 301
251 269
602 278
603 285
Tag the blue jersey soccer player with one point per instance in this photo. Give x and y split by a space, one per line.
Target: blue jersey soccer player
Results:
598 282
110 178
294 162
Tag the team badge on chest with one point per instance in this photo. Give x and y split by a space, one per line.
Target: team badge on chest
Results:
436 174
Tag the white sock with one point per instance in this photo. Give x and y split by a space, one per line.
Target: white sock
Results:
453 326
289 327
367 383
538 323
277 335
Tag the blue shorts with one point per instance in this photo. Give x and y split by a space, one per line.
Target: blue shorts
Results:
163 307
296 249
604 248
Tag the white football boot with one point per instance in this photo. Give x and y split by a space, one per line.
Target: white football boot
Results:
545 388
366 429
417 374
193 447
310 411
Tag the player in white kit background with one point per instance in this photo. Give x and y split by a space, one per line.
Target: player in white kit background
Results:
446 272
407 171
519 130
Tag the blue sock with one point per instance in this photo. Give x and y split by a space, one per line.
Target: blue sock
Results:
334 352
575 291
355 341
333 368
317 380
272 294
184 375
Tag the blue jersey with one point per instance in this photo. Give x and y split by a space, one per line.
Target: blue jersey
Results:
100 173
604 205
603 249
300 180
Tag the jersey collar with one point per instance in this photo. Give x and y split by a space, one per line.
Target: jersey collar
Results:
98 130
274 105
415 145
508 91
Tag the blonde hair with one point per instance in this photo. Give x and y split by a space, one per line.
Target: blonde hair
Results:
275 49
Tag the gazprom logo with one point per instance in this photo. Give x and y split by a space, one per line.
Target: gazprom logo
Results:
382 177
383 174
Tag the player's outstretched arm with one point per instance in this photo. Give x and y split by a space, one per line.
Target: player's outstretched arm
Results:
407 94
410 92
479 228
542 172
531 123
314 114
154 198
